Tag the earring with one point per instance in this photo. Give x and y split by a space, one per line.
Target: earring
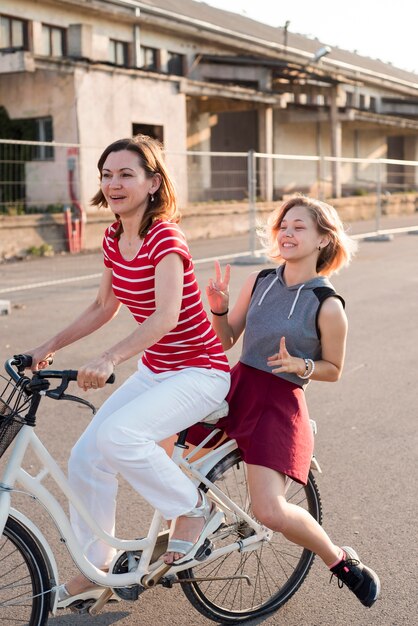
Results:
152 197
319 247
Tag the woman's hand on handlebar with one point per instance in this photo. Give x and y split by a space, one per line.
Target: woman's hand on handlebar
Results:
41 358
94 374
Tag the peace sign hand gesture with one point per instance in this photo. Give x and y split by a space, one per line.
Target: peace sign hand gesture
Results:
217 290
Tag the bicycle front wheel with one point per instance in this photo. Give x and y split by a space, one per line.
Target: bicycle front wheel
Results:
243 586
24 580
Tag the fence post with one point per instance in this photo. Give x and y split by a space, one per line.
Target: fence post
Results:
378 196
252 198
379 236
321 177
251 258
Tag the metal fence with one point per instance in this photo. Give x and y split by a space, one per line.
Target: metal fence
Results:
38 177
48 178
42 177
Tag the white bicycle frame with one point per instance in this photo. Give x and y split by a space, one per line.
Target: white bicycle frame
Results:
32 485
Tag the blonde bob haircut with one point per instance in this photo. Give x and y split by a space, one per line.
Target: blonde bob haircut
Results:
333 256
150 157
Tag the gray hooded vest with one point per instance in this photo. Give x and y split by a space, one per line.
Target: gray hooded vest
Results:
276 311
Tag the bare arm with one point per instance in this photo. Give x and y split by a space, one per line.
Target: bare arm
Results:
101 311
333 327
169 277
228 327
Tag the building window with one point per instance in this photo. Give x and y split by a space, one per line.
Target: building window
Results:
43 132
349 101
175 63
53 41
118 52
150 59
157 132
13 33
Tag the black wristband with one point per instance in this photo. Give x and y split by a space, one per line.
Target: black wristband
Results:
219 314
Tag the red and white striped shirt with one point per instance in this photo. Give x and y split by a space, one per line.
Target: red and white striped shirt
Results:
193 343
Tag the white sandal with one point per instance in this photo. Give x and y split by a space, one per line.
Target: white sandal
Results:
202 548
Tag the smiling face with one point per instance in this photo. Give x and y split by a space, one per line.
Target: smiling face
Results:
298 236
125 185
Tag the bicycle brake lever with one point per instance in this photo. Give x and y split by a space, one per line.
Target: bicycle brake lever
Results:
66 396
58 393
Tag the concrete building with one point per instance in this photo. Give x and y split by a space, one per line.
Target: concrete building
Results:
88 72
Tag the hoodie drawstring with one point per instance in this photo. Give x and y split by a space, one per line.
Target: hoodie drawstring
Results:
295 300
267 290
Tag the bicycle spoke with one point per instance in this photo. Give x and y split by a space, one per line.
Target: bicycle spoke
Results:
24 578
275 568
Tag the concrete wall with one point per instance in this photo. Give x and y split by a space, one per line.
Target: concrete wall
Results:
33 97
121 100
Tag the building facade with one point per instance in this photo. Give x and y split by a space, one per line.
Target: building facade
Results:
87 72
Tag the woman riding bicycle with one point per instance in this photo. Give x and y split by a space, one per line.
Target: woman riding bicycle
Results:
295 330
182 376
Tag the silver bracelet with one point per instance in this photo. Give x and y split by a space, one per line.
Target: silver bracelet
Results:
308 372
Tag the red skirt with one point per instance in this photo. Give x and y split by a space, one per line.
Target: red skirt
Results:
268 417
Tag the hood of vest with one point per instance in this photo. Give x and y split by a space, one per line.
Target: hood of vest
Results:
318 281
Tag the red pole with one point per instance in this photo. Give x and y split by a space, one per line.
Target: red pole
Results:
68 229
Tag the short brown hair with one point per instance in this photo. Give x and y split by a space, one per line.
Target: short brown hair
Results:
332 257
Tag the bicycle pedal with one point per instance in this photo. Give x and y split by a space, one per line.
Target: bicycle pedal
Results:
81 607
204 551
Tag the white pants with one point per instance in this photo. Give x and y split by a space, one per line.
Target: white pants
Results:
122 438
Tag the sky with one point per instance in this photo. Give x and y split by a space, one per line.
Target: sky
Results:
380 29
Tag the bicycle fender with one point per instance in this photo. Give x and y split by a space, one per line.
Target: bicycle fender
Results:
45 549
206 463
5 501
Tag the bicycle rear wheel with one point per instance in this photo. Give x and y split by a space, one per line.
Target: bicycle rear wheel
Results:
24 580
275 570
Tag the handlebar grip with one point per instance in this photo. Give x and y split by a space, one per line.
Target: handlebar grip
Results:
23 361
72 375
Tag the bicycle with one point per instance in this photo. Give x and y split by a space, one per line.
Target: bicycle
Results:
248 572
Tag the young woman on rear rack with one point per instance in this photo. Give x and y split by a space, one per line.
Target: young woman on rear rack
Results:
295 331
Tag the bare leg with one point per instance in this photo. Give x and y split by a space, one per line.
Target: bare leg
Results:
267 490
79 584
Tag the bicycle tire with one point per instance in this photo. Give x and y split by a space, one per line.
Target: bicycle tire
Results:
276 569
24 579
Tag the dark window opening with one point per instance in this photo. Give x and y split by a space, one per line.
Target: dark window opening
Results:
14 157
157 132
175 64
248 84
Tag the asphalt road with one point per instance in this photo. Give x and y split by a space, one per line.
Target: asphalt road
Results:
366 444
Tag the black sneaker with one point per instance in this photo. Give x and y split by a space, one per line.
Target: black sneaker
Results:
361 580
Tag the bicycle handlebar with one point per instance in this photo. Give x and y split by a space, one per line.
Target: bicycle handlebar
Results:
17 365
